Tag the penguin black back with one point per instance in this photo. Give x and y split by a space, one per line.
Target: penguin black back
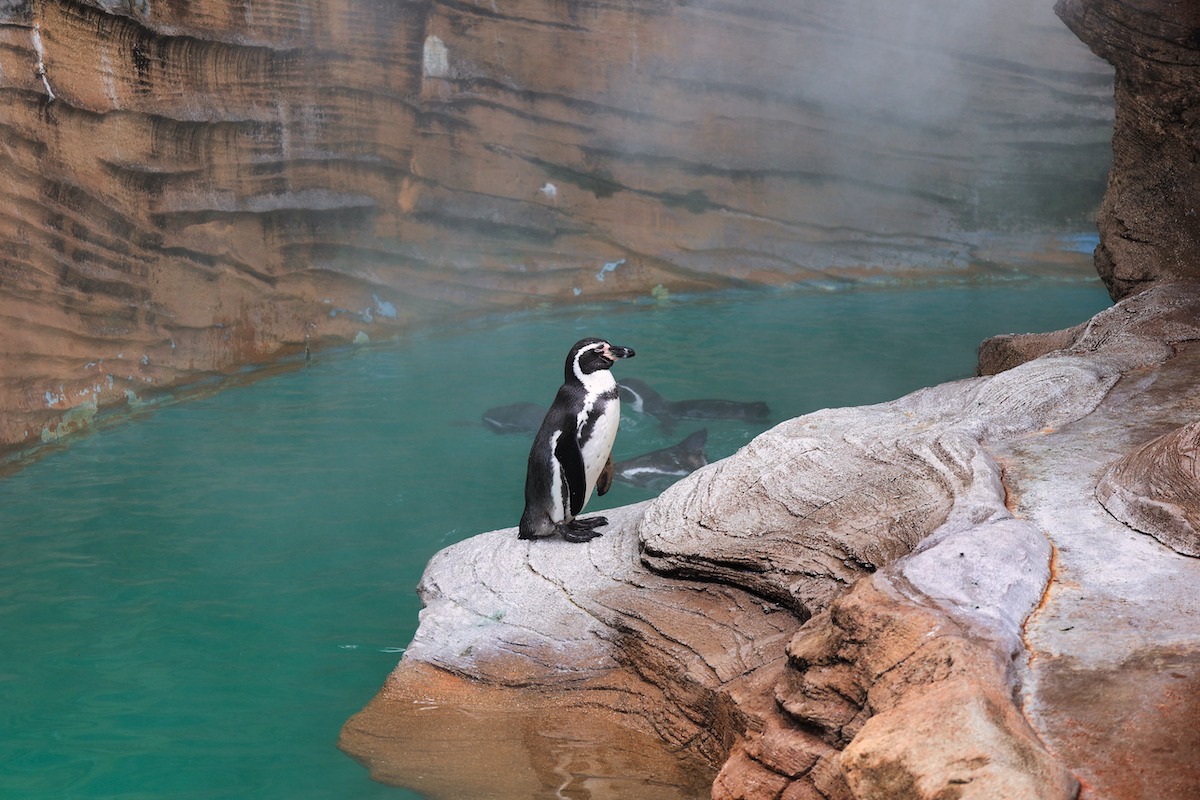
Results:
572 451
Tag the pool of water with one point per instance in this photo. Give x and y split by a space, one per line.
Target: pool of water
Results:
194 601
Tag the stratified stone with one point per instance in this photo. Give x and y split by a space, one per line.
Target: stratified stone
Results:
191 188
929 696
744 778
597 628
1156 489
808 508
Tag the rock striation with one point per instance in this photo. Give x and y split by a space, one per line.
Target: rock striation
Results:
1156 489
192 188
896 601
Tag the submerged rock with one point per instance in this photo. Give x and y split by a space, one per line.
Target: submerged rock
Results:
900 600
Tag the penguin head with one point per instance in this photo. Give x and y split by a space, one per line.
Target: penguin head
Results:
592 355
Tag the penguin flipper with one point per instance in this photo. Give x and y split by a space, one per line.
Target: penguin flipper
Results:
570 458
604 482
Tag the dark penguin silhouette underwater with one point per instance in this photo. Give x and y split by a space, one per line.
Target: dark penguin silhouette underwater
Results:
646 400
514 418
660 468
572 452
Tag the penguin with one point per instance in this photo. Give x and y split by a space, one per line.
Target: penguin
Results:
572 452
514 418
647 401
663 467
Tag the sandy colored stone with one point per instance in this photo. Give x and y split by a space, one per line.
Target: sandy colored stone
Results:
903 672
829 779
510 744
745 778
786 751
960 739
1130 728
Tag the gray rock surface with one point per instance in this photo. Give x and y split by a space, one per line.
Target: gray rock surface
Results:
818 502
1156 489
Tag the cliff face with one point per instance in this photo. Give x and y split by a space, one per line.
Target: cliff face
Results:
193 187
1150 220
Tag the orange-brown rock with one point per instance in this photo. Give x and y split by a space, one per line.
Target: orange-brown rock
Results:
190 188
937 714
998 353
1150 219
917 705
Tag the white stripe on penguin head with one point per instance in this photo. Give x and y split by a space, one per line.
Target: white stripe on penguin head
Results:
579 373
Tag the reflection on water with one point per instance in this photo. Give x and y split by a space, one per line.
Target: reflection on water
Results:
495 743
193 603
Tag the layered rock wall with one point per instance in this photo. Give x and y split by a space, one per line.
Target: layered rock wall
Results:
193 187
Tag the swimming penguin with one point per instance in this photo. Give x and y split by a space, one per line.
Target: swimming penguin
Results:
572 451
514 418
644 399
660 468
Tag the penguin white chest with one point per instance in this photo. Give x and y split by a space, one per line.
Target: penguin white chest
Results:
597 424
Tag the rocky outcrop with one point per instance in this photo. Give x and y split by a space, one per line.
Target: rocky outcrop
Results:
1156 489
1149 223
756 618
190 188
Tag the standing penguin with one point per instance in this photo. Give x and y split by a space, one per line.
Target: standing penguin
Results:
572 452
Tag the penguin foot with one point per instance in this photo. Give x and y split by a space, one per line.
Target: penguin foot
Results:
582 530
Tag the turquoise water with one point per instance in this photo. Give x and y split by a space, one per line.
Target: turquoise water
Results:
194 601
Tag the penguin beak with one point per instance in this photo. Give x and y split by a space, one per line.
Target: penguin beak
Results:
613 352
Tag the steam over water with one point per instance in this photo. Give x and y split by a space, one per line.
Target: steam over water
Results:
194 602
